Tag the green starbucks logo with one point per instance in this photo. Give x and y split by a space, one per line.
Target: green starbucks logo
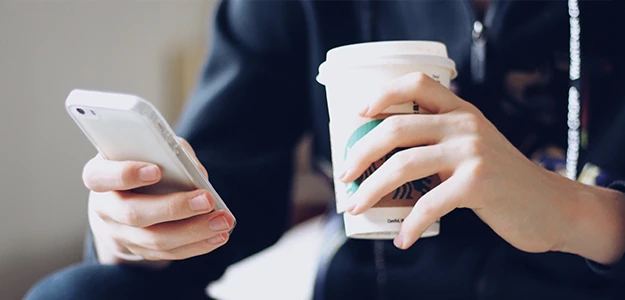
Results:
358 134
406 191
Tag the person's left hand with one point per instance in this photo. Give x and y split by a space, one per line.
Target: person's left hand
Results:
479 169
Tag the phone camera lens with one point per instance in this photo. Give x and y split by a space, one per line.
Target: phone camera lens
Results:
80 111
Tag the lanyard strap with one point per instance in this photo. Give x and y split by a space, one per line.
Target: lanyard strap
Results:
574 107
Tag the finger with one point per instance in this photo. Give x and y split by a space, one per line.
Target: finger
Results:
189 149
405 166
142 210
415 87
186 145
430 207
101 175
398 131
171 235
186 251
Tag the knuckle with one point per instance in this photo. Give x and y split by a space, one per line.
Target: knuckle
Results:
470 150
173 206
395 126
155 241
470 122
468 106
399 164
438 120
428 210
473 147
419 79
130 216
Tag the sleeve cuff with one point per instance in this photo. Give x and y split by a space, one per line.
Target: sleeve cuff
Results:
616 271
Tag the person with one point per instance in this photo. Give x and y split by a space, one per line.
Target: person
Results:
512 226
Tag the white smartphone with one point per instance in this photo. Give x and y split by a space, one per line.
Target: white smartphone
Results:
125 127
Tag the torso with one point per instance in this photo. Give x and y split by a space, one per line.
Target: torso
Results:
524 95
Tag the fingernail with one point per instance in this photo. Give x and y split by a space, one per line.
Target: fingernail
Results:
351 208
343 175
399 241
218 239
199 203
148 173
364 111
218 224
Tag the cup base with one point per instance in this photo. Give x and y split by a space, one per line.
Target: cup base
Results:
381 223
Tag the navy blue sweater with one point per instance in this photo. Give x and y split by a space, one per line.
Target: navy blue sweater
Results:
258 95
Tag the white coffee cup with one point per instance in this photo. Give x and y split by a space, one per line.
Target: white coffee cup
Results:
354 75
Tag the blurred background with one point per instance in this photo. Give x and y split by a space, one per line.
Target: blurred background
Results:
153 49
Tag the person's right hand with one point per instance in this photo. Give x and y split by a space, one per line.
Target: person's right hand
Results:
134 227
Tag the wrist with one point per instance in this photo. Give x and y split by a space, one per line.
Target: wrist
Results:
596 229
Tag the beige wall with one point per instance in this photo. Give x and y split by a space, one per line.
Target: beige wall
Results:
46 49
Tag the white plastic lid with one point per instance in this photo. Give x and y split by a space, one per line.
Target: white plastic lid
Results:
386 53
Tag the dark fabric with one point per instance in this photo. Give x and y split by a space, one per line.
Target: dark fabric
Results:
103 282
257 95
248 112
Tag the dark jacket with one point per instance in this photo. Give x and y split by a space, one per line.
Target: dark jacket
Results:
257 96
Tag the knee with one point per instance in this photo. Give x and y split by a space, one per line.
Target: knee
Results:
60 285
75 282
90 282
112 282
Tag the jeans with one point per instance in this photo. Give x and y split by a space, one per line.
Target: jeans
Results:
90 280
95 282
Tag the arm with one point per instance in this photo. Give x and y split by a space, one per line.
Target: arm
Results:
248 112
533 209
597 227
598 232
244 121
609 159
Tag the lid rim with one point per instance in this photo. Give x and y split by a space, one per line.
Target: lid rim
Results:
436 48
406 59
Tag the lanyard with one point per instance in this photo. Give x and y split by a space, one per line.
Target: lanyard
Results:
574 107
478 72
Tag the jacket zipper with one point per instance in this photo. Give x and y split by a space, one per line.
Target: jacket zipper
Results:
479 39
380 269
